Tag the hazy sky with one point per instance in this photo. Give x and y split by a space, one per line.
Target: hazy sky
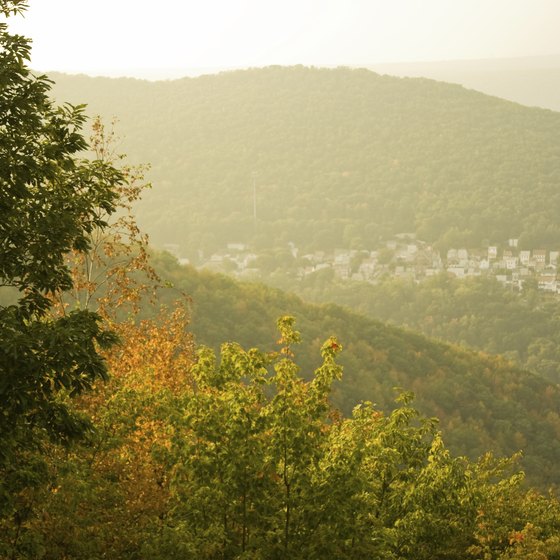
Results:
141 38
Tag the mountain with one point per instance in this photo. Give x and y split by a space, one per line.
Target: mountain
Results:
531 80
483 402
346 157
327 158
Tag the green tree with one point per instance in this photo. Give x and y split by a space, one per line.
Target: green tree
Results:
245 449
261 466
240 458
50 202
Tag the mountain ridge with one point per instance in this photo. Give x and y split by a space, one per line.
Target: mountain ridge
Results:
341 157
524 79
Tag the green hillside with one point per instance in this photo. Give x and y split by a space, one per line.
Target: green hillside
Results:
339 158
477 312
484 403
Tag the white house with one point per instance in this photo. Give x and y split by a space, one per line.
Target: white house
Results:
524 257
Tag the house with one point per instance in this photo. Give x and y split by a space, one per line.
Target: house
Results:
248 273
172 248
342 269
367 267
463 255
342 259
511 262
412 249
492 252
244 260
452 255
539 257
405 272
305 271
457 271
237 247
524 257
548 282
319 256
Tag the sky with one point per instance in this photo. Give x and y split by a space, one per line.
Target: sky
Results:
169 39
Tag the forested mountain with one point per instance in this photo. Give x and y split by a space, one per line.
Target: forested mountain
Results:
476 312
332 158
483 402
345 157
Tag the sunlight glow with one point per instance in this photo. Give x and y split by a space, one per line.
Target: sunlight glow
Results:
133 36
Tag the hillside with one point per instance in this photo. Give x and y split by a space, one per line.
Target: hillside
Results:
478 312
338 158
483 403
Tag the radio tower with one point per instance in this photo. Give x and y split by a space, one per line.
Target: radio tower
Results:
255 201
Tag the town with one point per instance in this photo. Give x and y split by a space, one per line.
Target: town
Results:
403 257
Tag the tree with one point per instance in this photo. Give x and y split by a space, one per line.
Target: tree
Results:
111 496
51 200
261 466
114 274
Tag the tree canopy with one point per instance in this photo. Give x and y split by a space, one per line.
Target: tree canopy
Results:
339 157
240 455
483 402
478 313
51 200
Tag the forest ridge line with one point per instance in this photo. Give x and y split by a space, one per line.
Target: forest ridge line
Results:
333 158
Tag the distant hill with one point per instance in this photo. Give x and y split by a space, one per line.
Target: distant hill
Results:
474 312
332 158
483 402
533 81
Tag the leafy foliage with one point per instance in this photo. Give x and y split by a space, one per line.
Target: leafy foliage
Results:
237 456
50 203
111 496
114 274
483 402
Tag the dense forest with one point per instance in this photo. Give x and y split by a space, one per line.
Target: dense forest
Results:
479 313
339 158
482 402
148 410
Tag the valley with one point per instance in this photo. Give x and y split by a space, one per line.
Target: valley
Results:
216 341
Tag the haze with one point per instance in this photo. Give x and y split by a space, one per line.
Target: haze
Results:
141 39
